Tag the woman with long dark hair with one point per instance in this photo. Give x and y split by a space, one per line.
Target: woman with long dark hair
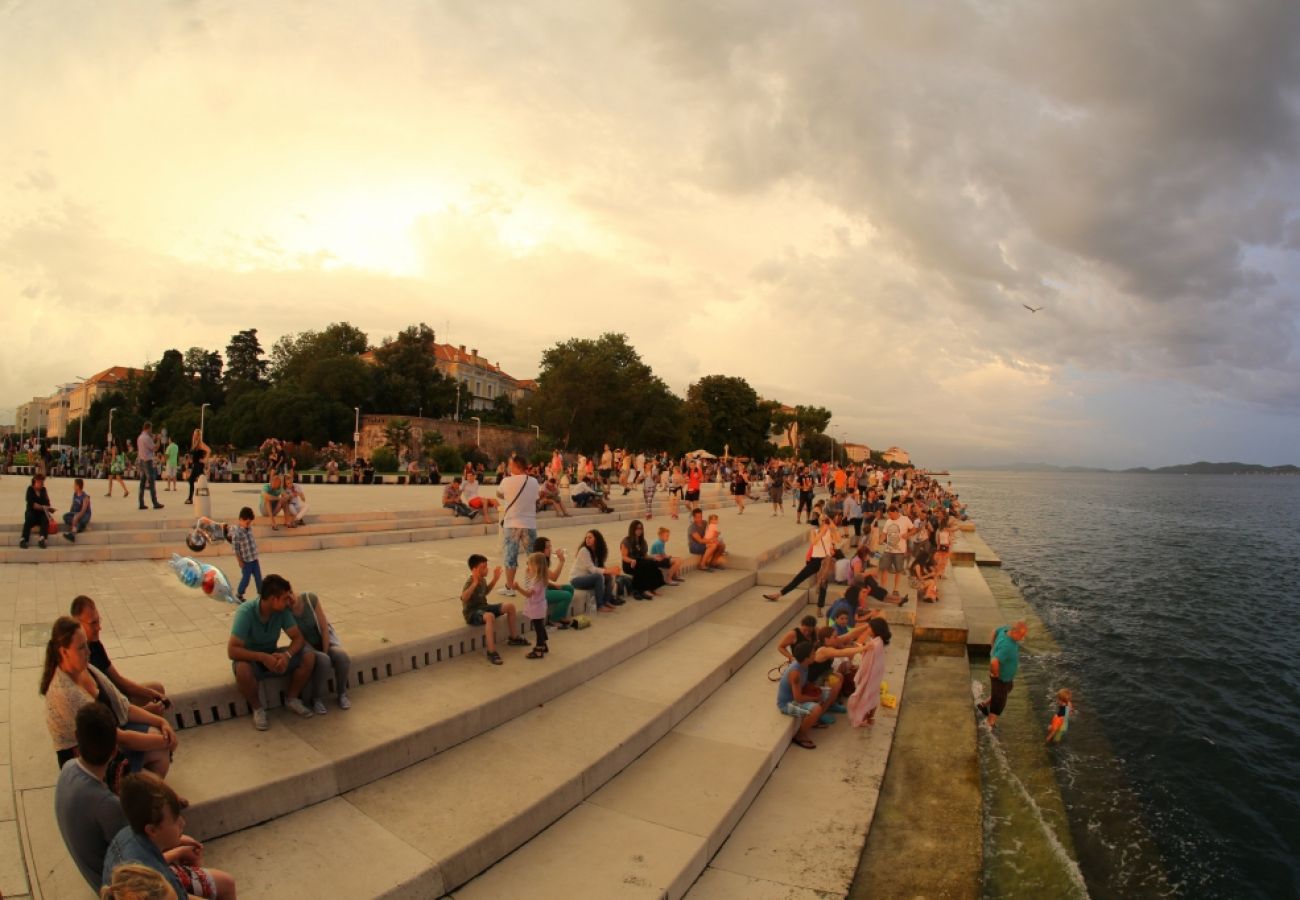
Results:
70 682
589 572
647 577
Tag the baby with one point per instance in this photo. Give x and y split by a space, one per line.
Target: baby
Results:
1061 721
712 533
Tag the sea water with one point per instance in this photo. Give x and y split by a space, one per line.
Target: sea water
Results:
1171 601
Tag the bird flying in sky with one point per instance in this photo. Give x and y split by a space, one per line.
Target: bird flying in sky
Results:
1031 308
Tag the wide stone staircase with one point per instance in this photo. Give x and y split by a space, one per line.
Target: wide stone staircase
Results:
617 766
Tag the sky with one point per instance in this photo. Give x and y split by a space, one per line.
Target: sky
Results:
846 204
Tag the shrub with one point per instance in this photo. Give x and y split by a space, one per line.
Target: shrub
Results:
304 454
448 458
472 454
384 459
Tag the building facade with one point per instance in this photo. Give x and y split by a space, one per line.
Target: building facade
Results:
481 381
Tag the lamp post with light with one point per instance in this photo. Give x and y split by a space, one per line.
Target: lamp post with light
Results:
356 432
81 419
478 430
203 418
110 426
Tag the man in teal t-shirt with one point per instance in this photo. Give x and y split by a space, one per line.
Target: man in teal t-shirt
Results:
173 458
1004 662
253 648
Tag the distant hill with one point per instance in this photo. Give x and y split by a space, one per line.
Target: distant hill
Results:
1196 468
1225 468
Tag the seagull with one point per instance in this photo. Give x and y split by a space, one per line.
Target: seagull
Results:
1031 308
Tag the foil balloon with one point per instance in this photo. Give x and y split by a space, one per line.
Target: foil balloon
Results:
209 579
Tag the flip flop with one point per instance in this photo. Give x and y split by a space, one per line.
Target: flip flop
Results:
804 742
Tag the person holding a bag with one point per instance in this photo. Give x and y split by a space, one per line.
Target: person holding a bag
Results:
820 561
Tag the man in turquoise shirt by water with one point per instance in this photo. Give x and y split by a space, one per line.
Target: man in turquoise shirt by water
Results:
1004 662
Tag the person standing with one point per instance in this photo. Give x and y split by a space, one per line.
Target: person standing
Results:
518 492
173 461
147 459
199 453
1004 662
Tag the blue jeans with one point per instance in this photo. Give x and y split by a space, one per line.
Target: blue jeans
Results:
149 478
253 570
595 583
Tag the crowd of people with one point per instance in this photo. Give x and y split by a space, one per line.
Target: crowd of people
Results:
115 746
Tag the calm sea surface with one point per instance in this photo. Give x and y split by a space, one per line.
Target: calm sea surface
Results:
1173 600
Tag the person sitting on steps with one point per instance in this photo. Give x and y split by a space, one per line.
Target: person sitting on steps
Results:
478 611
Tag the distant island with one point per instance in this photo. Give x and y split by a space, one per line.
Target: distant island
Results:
1196 468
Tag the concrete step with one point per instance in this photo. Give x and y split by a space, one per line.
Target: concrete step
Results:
321 533
759 860
652 829
470 805
414 716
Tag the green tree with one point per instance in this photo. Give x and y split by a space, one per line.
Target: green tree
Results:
406 379
818 447
293 354
397 434
245 367
593 391
168 383
501 412
203 368
724 411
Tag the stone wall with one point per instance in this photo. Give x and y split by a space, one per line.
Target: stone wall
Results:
497 441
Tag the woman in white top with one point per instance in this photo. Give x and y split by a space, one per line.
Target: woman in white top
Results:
70 682
822 541
589 572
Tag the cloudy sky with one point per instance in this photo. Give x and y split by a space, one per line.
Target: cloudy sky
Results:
845 203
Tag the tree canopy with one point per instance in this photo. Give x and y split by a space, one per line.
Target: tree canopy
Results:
724 412
593 392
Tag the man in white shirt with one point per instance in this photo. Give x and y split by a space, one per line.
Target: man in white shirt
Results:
893 531
147 458
518 493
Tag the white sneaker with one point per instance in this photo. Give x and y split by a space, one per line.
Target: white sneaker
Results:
259 720
506 591
299 707
344 702
318 708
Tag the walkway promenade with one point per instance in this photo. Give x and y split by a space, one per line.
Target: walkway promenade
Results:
450 775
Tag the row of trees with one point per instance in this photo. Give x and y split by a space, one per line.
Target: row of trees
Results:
590 392
593 392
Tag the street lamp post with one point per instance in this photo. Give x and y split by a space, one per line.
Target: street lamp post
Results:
478 430
110 426
537 431
203 418
457 400
81 419
356 432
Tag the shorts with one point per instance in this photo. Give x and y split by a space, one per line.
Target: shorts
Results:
476 617
514 539
475 502
797 709
692 496
261 672
169 472
197 882
892 562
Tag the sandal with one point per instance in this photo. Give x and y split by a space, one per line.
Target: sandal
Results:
517 642
535 653
495 658
804 742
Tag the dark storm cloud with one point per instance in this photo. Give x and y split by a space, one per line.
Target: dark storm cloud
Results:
1115 161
